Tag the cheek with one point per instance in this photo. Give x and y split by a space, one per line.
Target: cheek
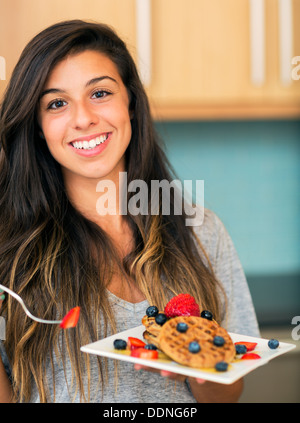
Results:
53 130
116 113
122 121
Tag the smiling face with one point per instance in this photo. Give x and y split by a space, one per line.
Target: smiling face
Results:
84 116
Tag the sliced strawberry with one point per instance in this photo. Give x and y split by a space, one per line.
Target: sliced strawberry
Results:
250 356
249 345
71 318
134 343
143 353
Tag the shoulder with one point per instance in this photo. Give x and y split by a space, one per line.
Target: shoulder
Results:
212 234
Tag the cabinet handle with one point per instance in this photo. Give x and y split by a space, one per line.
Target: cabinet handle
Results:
257 41
144 36
285 15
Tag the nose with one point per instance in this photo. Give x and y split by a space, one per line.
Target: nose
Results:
84 116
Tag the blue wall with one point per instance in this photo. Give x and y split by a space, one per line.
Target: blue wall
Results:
251 172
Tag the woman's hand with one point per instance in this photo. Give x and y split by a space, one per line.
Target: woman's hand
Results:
165 373
170 375
204 391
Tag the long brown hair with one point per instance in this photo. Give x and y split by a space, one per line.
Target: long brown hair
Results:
47 247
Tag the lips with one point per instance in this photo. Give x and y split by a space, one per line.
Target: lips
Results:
90 146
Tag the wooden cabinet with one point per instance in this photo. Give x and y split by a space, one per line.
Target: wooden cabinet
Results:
20 20
201 61
200 52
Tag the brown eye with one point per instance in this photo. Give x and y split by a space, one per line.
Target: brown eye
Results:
100 94
57 104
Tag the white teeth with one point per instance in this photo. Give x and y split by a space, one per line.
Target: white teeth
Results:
90 144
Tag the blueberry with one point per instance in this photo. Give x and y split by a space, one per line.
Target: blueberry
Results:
120 344
273 344
150 347
152 311
194 347
240 349
161 319
219 341
222 366
182 327
206 315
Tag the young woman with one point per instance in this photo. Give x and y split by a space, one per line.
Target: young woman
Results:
75 114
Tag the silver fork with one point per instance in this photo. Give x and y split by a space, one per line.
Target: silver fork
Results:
37 319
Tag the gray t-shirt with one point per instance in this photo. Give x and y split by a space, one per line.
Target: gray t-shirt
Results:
147 387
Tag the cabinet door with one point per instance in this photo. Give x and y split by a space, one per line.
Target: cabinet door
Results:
20 20
201 61
201 64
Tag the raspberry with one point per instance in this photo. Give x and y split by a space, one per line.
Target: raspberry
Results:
182 305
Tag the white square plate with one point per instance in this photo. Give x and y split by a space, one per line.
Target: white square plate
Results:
235 371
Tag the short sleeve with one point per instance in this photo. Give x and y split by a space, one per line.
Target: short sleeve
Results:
239 315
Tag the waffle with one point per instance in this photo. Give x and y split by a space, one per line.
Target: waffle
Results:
176 344
152 330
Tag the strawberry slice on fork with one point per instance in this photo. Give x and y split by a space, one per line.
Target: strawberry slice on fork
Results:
71 318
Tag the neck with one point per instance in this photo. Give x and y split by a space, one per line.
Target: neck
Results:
98 199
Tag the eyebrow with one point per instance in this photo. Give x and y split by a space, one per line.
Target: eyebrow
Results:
88 84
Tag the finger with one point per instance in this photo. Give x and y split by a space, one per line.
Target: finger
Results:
201 381
138 366
164 373
173 376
